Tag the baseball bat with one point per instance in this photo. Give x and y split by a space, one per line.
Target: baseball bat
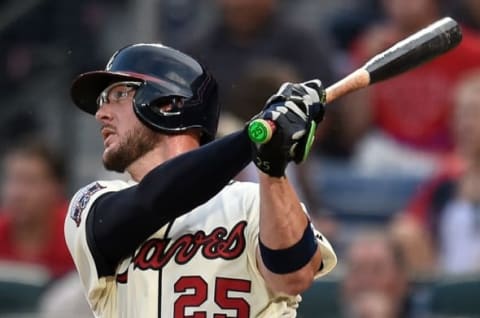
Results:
422 46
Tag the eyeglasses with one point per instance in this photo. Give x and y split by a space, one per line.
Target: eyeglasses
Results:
117 92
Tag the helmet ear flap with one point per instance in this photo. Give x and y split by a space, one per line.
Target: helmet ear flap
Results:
167 106
164 110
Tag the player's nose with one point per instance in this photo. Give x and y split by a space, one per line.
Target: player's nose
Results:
103 114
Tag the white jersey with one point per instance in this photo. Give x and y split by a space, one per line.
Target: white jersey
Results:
203 264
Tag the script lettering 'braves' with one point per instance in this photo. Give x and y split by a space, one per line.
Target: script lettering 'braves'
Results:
156 253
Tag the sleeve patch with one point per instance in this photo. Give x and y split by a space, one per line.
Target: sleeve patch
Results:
81 201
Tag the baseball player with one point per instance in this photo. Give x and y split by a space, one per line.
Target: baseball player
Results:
180 239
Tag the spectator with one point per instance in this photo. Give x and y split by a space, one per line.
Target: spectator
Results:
375 282
31 223
468 12
256 85
250 31
446 208
412 112
352 19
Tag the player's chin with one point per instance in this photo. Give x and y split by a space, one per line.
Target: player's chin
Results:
108 153
106 160
112 161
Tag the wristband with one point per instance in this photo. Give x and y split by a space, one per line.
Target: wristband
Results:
291 259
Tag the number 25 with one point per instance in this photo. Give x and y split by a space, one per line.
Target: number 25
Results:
200 287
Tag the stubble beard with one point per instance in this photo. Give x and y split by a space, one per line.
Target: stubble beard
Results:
139 141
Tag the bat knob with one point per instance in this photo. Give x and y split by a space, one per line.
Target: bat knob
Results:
260 131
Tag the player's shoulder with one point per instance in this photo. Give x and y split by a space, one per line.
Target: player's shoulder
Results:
241 189
86 195
97 187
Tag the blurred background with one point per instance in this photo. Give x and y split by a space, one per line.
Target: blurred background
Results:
393 180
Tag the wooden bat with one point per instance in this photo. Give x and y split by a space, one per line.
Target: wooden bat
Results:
422 46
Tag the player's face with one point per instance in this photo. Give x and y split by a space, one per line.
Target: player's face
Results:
371 270
125 138
247 15
410 13
29 191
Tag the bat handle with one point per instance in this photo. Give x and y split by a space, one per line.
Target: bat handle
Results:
260 131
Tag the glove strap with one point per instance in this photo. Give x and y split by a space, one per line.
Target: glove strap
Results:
310 140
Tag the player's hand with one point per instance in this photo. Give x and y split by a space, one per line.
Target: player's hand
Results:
296 109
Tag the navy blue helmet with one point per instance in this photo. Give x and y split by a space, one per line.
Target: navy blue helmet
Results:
165 76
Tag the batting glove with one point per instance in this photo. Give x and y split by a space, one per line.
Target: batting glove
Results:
296 109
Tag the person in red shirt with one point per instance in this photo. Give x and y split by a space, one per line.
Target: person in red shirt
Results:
443 217
414 109
34 207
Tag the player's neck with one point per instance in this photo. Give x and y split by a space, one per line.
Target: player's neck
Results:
172 146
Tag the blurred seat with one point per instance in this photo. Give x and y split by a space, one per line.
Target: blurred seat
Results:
321 299
357 196
448 297
21 287
456 296
65 298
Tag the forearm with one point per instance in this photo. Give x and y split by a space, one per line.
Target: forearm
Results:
282 220
122 220
282 225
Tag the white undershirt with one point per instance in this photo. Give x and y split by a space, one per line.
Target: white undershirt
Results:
459 235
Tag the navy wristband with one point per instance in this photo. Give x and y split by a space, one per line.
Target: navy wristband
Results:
293 258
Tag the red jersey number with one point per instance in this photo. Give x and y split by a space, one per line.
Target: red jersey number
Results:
200 294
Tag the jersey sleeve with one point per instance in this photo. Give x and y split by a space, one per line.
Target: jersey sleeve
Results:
329 258
76 237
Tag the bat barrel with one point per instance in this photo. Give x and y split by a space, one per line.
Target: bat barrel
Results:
417 49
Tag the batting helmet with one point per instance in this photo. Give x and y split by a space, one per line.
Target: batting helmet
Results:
165 77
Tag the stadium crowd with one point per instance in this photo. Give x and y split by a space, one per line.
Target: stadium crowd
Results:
393 181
